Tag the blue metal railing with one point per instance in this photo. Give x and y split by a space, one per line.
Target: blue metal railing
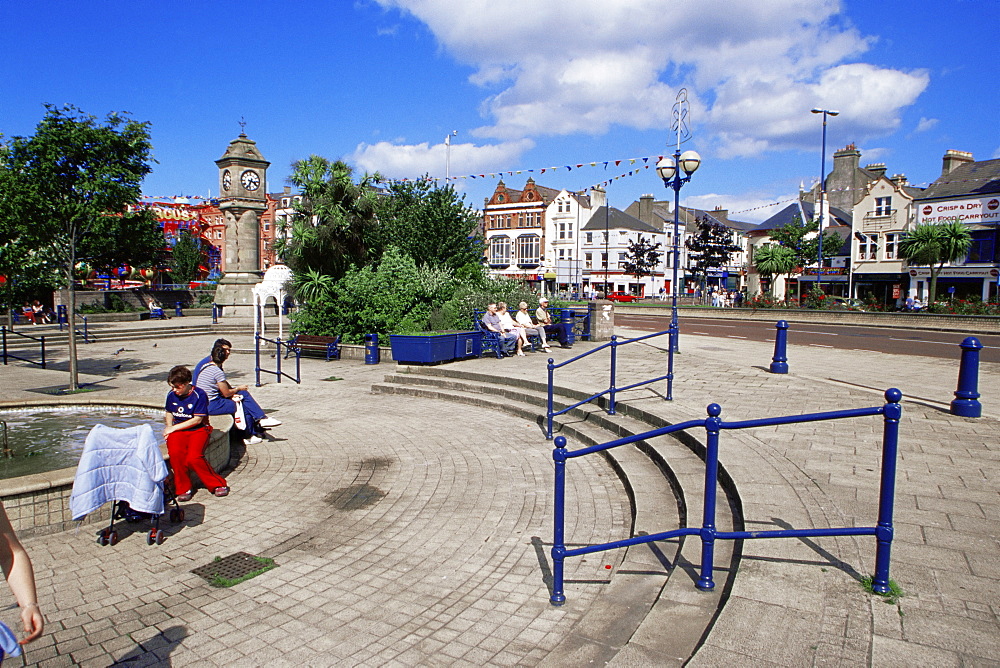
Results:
713 424
6 353
612 390
278 345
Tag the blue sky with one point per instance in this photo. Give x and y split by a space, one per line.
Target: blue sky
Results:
527 84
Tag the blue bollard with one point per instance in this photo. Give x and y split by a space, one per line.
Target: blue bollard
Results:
966 403
566 318
215 314
372 355
177 309
779 363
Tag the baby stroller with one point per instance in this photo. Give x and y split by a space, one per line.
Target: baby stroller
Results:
125 467
123 511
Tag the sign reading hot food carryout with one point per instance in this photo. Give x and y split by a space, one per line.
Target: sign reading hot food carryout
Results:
973 210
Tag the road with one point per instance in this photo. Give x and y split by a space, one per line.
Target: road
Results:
879 339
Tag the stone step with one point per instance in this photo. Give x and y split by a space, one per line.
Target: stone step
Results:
627 629
55 338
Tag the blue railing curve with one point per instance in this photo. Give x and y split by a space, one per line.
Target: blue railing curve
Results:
713 425
278 345
612 390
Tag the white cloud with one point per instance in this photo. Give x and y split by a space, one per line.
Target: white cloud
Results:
926 124
396 160
754 69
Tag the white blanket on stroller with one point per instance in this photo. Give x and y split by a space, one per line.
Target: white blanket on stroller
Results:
119 465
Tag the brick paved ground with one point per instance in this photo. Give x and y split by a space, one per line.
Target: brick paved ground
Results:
409 532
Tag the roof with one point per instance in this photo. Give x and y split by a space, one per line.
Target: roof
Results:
689 216
971 179
791 212
616 219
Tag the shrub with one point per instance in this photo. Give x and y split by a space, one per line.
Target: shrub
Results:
761 300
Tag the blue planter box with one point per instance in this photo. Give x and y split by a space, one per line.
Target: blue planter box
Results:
423 349
468 344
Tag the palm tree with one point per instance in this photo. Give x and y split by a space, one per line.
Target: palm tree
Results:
774 260
934 245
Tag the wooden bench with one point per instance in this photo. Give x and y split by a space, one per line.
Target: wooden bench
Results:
327 346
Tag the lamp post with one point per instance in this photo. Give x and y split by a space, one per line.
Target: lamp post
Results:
822 192
447 155
688 162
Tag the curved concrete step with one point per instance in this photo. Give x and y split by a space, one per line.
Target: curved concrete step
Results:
653 585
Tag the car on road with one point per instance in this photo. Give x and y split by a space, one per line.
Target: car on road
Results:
622 297
846 304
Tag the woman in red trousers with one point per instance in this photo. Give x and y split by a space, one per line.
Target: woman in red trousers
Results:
186 429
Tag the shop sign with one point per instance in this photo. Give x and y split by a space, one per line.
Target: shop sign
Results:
957 272
971 210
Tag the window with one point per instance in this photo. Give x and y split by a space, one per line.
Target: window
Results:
883 206
604 260
500 250
983 247
562 253
867 246
569 230
562 230
284 202
590 237
527 249
890 246
505 221
621 259
588 260
267 226
218 235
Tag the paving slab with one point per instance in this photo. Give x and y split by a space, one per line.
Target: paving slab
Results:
410 532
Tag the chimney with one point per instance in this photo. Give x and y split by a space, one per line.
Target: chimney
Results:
598 197
899 180
646 209
845 161
877 169
953 159
288 190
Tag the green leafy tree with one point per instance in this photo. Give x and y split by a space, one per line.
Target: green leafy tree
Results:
187 257
334 225
312 286
62 186
641 258
710 247
804 242
134 238
774 260
936 245
430 224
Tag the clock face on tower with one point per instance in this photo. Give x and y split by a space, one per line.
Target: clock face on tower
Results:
227 180
250 180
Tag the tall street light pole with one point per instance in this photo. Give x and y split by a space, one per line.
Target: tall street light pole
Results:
822 192
687 162
447 155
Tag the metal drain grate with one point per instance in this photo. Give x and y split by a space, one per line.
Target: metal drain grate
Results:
236 567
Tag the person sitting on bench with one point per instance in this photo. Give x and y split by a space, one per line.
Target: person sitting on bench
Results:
491 321
524 320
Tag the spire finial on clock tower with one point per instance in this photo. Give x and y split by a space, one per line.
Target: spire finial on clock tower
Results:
243 127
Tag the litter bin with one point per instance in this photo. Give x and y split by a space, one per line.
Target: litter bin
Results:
566 317
177 309
371 349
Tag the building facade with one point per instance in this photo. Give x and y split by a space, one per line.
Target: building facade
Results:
968 192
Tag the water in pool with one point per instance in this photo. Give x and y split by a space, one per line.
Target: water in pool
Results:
51 438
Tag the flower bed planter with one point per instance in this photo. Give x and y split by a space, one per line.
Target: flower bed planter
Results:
429 348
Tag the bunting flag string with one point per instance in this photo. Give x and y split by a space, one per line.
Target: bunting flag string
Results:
541 170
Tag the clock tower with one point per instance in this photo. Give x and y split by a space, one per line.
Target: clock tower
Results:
242 198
